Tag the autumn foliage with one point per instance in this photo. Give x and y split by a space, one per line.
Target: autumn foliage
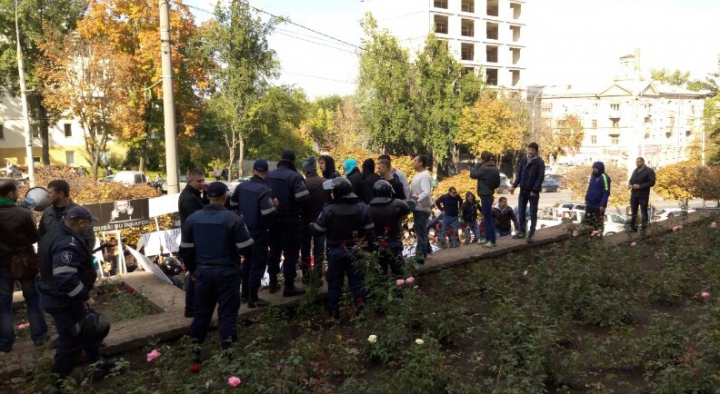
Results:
578 178
684 181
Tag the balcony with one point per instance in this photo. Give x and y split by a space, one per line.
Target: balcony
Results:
516 10
515 77
614 114
515 31
515 54
467 28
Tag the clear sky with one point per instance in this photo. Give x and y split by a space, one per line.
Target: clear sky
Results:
574 42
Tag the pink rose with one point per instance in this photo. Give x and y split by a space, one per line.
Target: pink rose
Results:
705 294
713 224
410 280
23 326
575 233
594 233
525 273
677 228
400 282
634 244
153 355
234 381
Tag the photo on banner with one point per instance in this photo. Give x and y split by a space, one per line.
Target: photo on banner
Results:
120 214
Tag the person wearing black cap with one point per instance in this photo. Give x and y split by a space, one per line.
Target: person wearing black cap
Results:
312 266
252 200
529 177
211 243
345 220
67 277
288 187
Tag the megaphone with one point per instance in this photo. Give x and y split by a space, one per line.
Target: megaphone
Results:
37 199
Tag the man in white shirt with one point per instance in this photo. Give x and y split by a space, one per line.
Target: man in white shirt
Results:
421 191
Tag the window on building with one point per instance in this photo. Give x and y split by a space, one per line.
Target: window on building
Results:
467 27
491 76
593 140
615 140
70 157
615 123
515 53
516 9
648 120
441 24
515 30
492 31
67 127
493 8
35 130
468 5
2 131
594 123
440 4
515 77
467 51
615 107
491 54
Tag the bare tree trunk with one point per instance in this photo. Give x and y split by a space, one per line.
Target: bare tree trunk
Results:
44 130
241 157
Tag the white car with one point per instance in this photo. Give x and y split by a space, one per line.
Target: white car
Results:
131 178
614 223
669 213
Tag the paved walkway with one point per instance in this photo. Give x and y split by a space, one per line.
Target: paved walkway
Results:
170 322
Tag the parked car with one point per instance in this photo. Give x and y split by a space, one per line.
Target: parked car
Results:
559 178
669 213
183 182
569 205
131 178
614 223
550 184
108 178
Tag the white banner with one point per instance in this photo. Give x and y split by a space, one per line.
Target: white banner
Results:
164 205
168 239
148 265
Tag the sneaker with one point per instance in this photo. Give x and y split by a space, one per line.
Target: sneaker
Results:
489 245
293 291
519 236
258 303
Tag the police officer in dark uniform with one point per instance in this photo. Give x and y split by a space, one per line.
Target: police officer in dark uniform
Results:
253 202
345 219
66 279
288 187
387 214
212 242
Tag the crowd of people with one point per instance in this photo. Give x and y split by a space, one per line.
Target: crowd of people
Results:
314 219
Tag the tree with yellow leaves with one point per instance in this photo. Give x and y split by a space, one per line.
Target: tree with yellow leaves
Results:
494 123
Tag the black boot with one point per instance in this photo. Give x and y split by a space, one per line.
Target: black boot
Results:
274 287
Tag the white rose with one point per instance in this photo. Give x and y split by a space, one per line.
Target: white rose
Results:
419 341
372 338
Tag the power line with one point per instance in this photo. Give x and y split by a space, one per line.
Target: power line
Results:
316 43
318 77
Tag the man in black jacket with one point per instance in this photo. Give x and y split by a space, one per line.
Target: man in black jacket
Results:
17 236
353 174
385 171
450 204
369 179
191 200
488 179
59 196
312 266
642 179
529 177
504 218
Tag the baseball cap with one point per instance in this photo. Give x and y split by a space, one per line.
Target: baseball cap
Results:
288 155
217 189
78 212
260 165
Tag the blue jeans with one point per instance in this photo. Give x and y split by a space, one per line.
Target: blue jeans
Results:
486 208
38 326
475 231
523 199
420 224
341 264
69 347
216 286
453 222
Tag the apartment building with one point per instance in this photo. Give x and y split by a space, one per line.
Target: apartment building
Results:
66 138
487 36
629 117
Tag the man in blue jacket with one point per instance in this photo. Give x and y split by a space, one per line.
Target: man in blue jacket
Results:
597 196
529 178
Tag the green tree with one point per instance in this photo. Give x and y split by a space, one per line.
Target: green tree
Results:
384 93
37 19
237 41
676 78
441 89
567 135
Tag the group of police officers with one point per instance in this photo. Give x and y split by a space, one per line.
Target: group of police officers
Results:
227 243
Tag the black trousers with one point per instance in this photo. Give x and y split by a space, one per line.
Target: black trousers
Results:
642 202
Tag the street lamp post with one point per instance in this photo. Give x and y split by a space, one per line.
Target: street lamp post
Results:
23 96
